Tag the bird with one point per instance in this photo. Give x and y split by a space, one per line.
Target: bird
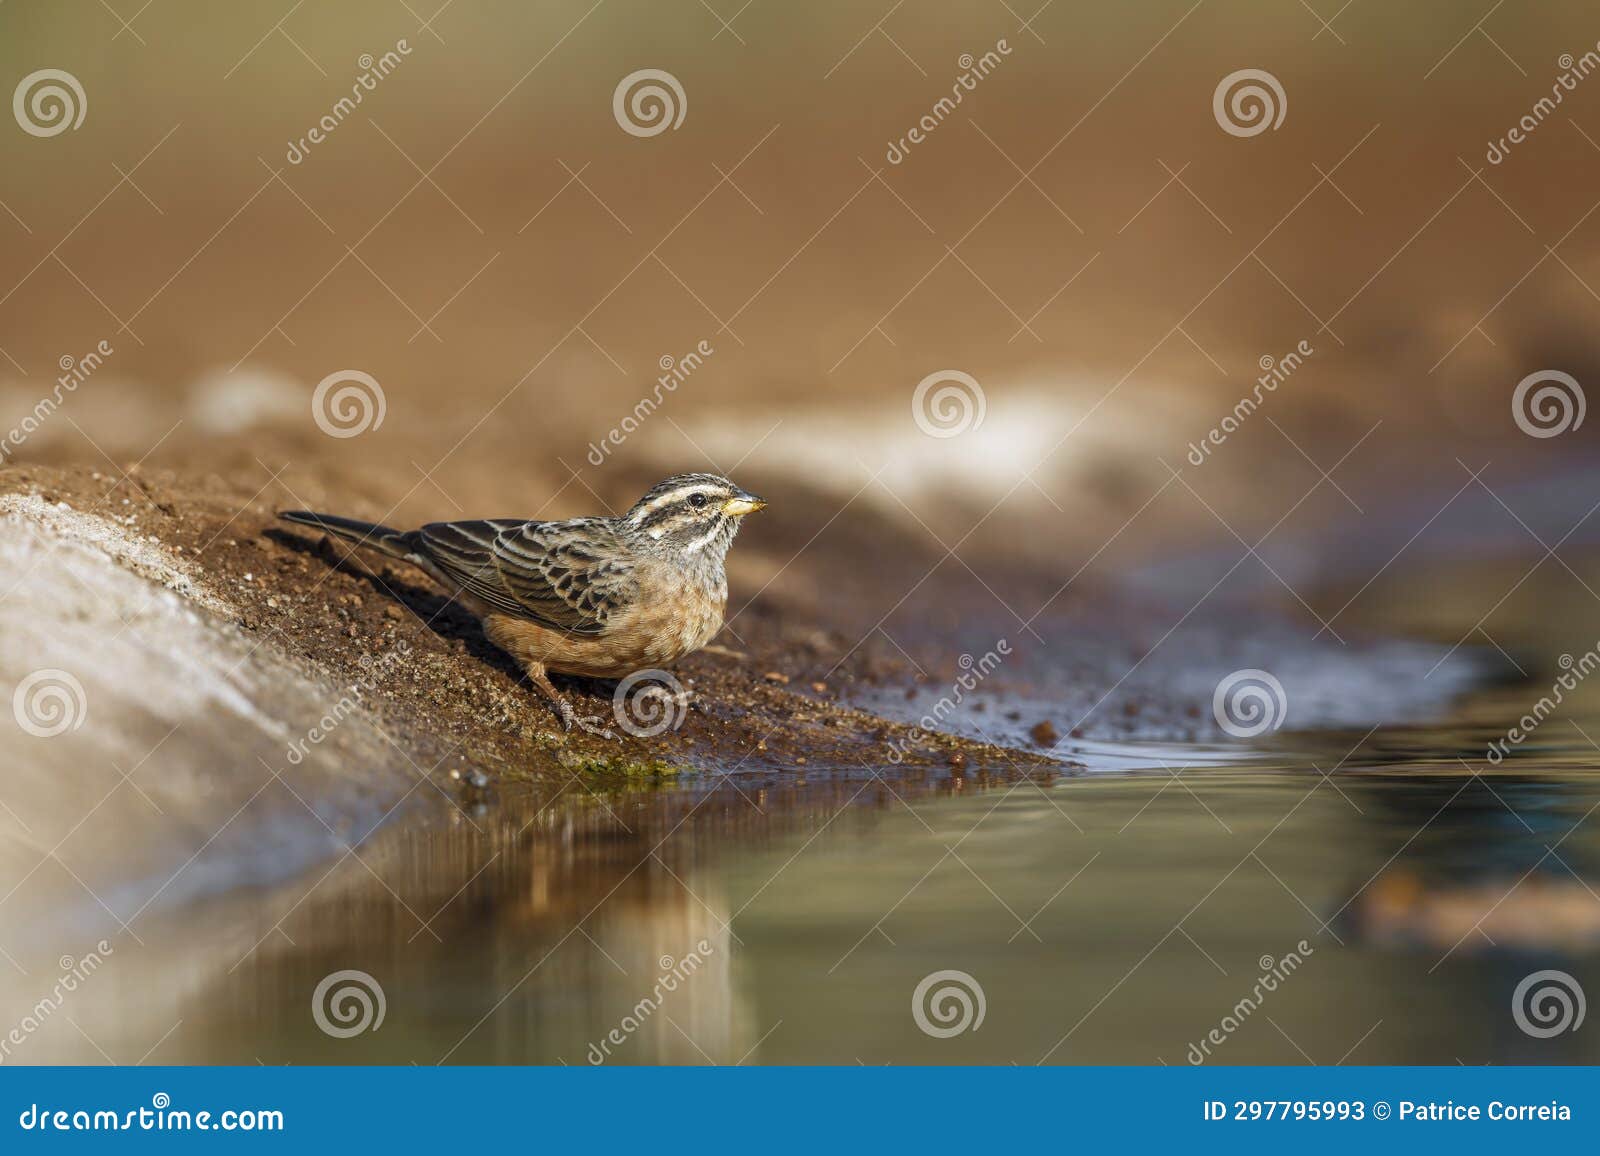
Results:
600 597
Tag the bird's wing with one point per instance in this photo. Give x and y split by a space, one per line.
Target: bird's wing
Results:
574 575
464 551
569 575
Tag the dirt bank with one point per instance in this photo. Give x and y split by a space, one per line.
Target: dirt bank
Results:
251 699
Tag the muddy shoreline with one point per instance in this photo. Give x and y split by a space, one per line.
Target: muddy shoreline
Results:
358 691
457 701
254 700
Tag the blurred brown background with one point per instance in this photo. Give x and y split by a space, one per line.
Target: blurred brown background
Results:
1079 235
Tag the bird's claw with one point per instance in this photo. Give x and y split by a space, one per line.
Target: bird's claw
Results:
591 725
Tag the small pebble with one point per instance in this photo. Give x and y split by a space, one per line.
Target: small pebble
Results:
1044 733
776 676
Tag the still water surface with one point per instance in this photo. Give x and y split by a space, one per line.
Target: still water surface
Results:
1367 895
1395 895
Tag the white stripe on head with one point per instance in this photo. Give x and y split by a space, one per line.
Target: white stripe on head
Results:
676 495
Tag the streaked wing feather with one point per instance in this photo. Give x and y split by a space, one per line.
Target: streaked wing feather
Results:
465 552
573 575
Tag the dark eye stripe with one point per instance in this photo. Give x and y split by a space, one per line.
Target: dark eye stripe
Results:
678 509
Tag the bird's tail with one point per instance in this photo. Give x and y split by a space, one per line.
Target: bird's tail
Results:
395 543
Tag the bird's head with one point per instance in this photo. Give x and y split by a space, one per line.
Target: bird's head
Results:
691 516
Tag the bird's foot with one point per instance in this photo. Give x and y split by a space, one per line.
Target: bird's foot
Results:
570 718
591 725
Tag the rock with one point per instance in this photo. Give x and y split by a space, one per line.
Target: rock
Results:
777 677
1044 733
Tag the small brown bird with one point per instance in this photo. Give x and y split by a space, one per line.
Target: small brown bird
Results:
601 597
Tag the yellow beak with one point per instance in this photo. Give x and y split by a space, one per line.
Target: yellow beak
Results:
745 504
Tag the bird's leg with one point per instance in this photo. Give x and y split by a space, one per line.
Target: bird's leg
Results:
564 709
541 681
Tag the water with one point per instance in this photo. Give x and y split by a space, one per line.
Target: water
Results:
1374 894
1107 918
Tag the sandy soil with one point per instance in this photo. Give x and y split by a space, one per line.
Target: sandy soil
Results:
455 703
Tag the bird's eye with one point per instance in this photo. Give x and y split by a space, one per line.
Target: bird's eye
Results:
698 501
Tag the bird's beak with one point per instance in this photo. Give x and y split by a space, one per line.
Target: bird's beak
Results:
745 503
